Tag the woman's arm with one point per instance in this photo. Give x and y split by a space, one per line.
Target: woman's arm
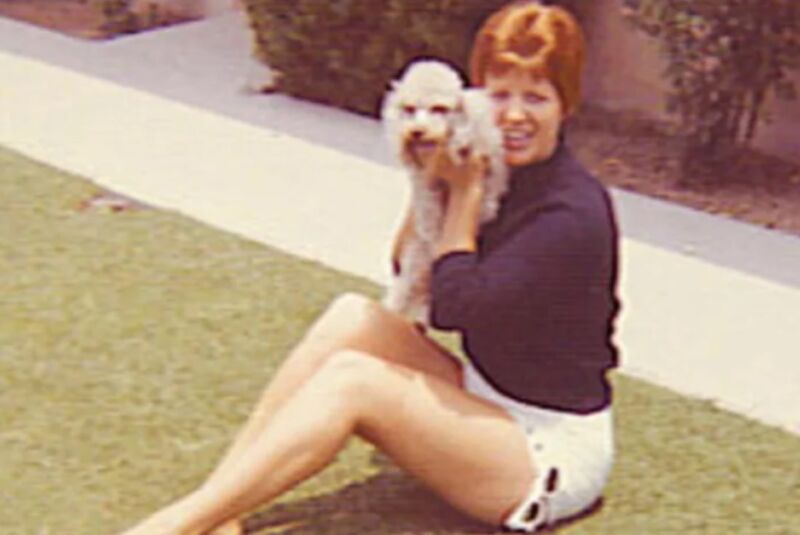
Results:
460 228
462 213
544 262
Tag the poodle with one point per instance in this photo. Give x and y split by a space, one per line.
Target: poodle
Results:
424 112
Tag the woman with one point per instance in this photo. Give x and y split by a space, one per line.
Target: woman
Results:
521 435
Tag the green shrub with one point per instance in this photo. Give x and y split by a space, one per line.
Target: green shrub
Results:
724 57
119 17
343 52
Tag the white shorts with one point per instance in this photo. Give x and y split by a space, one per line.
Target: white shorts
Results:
571 453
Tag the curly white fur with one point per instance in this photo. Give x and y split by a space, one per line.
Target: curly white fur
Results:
430 105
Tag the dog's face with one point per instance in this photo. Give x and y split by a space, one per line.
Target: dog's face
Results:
420 110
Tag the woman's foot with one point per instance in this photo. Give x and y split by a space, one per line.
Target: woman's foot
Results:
231 527
154 526
171 520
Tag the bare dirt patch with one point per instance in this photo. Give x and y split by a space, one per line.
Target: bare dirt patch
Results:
636 155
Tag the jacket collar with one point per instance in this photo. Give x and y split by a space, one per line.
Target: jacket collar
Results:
541 174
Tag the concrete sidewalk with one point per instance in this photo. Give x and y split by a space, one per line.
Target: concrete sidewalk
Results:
315 182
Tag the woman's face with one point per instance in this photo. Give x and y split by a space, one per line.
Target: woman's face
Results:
528 111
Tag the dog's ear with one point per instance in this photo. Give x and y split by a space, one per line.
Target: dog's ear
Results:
389 102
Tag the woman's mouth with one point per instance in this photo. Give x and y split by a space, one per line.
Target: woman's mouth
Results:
517 139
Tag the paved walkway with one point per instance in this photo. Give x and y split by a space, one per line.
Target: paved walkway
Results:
710 305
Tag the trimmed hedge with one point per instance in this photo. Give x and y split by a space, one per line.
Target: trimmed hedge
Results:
117 16
121 17
343 52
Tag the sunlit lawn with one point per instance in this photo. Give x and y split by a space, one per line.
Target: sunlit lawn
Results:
132 345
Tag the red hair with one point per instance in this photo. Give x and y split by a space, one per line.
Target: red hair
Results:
545 41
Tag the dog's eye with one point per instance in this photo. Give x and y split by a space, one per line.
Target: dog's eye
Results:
409 110
440 110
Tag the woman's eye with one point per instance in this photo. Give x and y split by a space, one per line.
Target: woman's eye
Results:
499 96
409 110
440 110
534 98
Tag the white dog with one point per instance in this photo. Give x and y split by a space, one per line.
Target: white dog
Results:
426 110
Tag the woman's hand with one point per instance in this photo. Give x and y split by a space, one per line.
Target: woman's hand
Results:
458 176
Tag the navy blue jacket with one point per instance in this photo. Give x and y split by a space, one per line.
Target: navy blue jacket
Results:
536 303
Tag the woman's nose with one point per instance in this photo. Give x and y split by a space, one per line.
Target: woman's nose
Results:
514 111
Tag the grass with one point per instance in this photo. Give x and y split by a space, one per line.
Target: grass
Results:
133 344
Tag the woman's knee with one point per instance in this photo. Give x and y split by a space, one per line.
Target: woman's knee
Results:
354 374
348 315
351 304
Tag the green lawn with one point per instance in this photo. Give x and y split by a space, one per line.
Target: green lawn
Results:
133 344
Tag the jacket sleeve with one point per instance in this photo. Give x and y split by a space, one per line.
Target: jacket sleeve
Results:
542 263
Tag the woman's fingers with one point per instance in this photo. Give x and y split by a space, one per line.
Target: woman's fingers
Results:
459 174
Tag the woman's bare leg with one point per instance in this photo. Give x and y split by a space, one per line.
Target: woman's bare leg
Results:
350 322
469 451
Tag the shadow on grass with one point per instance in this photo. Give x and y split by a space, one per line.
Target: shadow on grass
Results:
389 503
